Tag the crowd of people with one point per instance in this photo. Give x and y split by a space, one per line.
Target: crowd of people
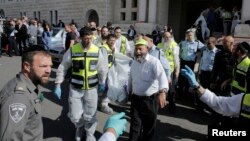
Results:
161 69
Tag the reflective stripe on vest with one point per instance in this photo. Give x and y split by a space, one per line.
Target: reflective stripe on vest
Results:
84 67
110 55
239 81
245 106
123 45
227 17
169 53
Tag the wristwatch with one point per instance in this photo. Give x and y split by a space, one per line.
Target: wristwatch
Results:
163 91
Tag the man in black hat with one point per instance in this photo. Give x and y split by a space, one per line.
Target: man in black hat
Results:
241 71
20 101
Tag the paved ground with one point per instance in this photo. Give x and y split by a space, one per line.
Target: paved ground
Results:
184 125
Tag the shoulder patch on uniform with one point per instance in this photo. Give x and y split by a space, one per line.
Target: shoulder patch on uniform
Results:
20 87
17 111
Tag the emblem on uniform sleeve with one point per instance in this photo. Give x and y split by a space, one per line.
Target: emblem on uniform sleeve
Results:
17 111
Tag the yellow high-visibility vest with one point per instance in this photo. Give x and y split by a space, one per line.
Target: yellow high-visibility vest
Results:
239 81
110 55
169 53
84 67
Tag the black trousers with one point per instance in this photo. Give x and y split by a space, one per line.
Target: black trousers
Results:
183 82
13 45
205 82
143 118
22 45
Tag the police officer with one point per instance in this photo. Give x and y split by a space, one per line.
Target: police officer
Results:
241 72
20 100
89 68
110 49
206 66
236 106
188 56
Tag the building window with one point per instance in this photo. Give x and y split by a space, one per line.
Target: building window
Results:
51 17
133 16
56 17
24 13
123 3
123 16
39 15
134 3
35 15
21 14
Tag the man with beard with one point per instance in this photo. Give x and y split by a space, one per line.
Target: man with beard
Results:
148 86
171 52
88 70
241 72
20 100
101 40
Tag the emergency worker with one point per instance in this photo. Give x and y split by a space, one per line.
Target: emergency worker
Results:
89 70
20 99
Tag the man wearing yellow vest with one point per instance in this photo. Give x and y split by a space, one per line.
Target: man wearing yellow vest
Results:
227 21
110 49
171 51
88 70
121 43
241 72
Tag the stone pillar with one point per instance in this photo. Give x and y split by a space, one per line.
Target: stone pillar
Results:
141 15
245 15
152 7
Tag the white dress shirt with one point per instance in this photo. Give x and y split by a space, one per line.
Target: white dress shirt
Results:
147 77
102 67
227 106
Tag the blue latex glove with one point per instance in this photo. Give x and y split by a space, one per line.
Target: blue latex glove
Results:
101 88
117 122
58 91
189 74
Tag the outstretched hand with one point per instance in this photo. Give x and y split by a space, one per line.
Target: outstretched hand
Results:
189 74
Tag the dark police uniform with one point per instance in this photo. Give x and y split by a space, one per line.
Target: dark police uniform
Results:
20 116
